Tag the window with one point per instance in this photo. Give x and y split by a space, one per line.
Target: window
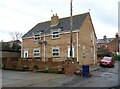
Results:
25 53
36 52
55 35
55 52
37 37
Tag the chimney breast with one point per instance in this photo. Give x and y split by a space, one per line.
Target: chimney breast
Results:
54 20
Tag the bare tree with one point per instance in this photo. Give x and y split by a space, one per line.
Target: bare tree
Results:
15 35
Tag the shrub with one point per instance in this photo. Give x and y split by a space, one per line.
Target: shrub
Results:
117 57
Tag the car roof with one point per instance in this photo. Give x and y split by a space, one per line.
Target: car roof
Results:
107 57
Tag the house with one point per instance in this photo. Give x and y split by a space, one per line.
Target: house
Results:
51 39
110 44
10 50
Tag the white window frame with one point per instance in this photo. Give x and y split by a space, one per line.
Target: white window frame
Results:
37 37
36 52
56 52
25 53
57 35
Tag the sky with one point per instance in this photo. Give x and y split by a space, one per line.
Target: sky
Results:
23 15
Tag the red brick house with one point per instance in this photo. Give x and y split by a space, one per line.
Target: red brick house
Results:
51 39
111 44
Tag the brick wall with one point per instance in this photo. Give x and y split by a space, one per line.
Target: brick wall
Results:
10 54
85 40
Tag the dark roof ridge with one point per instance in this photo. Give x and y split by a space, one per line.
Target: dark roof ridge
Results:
75 15
64 17
108 38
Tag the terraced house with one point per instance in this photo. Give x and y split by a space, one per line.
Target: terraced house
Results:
110 44
51 39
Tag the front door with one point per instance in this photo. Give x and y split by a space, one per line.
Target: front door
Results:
25 53
69 52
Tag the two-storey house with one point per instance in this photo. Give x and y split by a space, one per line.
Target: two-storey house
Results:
51 39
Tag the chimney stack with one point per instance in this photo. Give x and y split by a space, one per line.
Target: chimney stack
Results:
116 35
54 20
104 37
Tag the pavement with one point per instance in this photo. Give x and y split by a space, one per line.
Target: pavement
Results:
95 67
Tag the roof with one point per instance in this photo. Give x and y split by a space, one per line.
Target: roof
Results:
64 24
107 40
10 46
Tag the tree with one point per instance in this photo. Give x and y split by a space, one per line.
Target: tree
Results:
15 35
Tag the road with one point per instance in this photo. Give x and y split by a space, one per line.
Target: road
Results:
104 77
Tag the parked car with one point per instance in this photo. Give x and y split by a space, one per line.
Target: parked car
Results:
107 61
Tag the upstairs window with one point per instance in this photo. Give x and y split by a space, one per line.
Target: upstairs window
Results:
36 37
55 35
55 52
36 52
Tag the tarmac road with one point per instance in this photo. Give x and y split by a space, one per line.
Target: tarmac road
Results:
32 79
104 77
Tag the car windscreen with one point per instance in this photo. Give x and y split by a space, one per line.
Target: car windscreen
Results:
107 58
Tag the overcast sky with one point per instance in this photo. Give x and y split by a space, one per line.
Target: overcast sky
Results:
23 15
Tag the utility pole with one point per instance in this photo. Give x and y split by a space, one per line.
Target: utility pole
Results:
71 23
118 44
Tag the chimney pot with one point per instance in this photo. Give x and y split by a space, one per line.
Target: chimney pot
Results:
104 37
56 14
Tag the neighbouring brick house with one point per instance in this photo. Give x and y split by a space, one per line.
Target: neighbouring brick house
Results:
51 39
110 44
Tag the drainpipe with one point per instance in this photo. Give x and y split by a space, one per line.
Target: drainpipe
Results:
44 49
21 51
77 44
93 49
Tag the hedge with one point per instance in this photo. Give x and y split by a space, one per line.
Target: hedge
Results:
117 57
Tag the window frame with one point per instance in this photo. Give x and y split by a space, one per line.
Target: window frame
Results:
37 37
36 52
56 35
56 52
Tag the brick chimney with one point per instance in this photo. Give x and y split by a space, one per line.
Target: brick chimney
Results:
54 20
104 37
116 35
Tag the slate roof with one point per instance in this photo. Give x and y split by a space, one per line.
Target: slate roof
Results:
64 24
107 40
